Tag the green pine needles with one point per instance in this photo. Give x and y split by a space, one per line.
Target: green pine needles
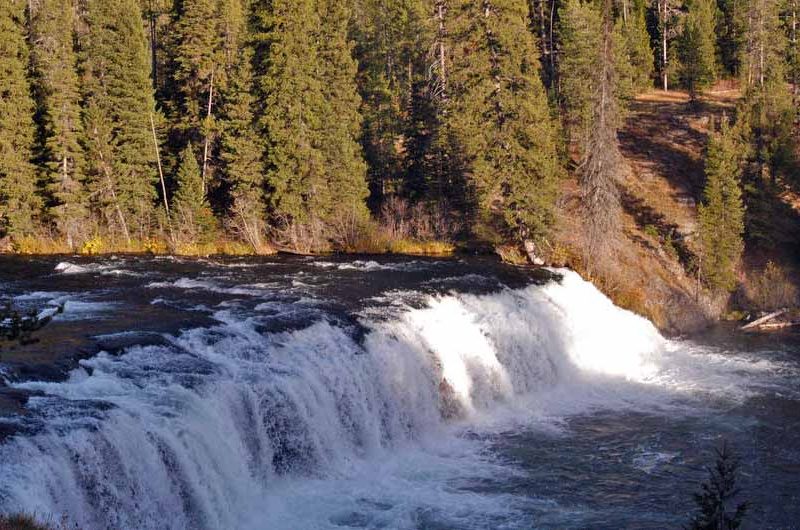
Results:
499 118
721 216
19 202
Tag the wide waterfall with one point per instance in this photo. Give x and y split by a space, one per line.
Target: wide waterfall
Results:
291 409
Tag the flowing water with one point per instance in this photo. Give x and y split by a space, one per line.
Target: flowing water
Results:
295 393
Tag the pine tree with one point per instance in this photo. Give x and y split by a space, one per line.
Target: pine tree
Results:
393 43
730 29
636 50
721 216
197 73
193 218
601 160
768 115
242 154
58 93
580 32
696 47
499 118
340 117
792 27
764 43
156 14
119 95
543 21
668 14
287 64
715 502
19 203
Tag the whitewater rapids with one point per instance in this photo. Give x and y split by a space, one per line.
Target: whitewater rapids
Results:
376 421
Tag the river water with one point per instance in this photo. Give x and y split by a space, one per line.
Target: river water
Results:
333 393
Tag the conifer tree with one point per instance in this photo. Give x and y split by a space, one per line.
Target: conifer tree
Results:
636 50
242 154
580 32
730 29
119 95
696 47
287 64
717 508
340 116
19 203
197 73
721 216
668 13
767 115
56 85
764 43
792 17
543 21
393 45
499 118
193 217
602 159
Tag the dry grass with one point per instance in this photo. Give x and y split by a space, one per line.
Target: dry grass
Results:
648 269
421 248
98 245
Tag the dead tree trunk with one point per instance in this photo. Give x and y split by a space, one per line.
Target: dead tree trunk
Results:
208 131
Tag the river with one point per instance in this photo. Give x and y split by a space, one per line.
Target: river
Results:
342 393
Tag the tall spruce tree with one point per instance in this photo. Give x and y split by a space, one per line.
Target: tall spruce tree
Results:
499 118
287 64
193 218
580 32
636 50
602 161
58 93
19 203
393 45
768 115
696 47
668 15
730 29
340 117
721 216
242 153
119 95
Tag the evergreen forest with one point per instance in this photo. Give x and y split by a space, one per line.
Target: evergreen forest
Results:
193 126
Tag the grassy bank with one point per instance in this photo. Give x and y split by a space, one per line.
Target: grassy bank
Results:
225 247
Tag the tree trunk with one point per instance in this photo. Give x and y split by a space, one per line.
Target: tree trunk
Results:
160 170
208 132
664 76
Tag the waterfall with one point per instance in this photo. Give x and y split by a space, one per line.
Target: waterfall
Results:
219 426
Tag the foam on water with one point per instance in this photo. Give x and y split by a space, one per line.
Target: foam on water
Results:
66 267
231 427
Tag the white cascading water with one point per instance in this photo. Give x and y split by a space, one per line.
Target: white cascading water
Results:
228 427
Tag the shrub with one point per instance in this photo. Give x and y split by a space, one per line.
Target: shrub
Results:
651 231
771 289
155 246
93 246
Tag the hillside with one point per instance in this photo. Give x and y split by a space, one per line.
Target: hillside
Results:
663 143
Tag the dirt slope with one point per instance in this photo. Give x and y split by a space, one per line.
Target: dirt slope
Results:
652 270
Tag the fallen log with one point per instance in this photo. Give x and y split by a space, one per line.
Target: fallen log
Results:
777 325
761 322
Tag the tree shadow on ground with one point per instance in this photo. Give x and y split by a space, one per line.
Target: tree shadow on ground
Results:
647 219
659 139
